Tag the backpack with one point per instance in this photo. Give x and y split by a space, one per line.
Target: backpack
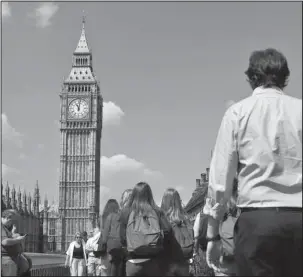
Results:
203 231
227 235
184 234
144 236
114 246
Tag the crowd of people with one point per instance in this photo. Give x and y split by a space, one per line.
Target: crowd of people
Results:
138 238
251 223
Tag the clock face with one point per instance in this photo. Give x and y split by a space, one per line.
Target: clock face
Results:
78 109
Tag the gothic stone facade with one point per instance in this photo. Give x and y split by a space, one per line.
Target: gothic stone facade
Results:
38 221
81 125
29 221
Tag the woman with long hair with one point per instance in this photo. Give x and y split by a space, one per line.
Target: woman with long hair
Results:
172 206
76 257
125 198
142 227
112 261
182 238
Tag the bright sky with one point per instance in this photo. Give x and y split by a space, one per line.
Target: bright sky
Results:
167 72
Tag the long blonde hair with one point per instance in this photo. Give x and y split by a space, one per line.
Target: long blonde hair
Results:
141 200
172 206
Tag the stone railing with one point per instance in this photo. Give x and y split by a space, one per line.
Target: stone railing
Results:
50 270
48 264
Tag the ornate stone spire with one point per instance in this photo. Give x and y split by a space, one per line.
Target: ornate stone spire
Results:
29 203
36 199
24 202
82 68
45 202
14 200
19 200
7 198
82 46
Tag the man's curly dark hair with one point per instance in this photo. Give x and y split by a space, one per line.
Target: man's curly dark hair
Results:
267 68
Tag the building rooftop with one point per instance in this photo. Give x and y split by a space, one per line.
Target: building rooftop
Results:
197 199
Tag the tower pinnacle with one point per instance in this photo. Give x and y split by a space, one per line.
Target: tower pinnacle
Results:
82 46
83 20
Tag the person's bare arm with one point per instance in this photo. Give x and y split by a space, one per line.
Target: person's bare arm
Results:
223 170
12 241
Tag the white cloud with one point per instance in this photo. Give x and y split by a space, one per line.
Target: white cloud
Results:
10 133
121 172
6 10
118 163
229 103
6 170
121 163
44 13
112 113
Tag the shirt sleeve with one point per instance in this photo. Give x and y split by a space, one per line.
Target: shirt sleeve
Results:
196 226
223 168
70 249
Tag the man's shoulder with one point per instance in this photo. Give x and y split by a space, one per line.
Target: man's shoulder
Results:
241 103
294 100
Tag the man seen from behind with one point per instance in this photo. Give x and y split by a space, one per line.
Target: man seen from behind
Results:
260 143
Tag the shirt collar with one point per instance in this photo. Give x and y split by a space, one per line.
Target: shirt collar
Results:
262 90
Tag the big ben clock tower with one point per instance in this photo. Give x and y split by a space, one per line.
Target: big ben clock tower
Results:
80 128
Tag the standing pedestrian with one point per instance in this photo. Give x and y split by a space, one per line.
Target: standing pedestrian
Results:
260 144
93 262
76 256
